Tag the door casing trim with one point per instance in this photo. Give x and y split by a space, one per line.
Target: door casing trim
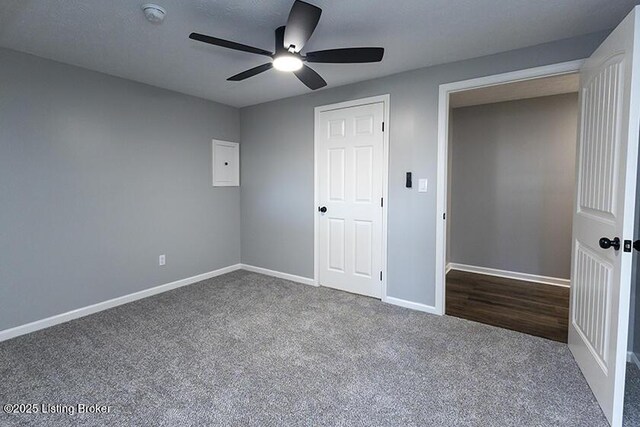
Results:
443 147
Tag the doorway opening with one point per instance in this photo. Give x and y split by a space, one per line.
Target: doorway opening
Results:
604 209
511 153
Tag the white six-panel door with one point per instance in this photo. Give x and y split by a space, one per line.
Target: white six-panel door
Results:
350 179
605 206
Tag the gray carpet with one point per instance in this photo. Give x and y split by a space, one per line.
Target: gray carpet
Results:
632 397
247 349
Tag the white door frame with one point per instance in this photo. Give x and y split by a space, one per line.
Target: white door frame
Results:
443 148
385 180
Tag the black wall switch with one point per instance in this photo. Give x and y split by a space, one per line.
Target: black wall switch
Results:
408 180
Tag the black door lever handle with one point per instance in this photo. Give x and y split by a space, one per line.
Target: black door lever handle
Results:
606 243
322 209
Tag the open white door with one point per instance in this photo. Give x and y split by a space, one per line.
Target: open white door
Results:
605 206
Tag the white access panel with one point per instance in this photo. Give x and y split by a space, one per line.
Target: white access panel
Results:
226 163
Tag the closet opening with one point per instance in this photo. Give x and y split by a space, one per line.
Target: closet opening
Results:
510 197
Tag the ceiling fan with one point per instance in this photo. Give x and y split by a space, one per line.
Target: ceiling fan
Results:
290 39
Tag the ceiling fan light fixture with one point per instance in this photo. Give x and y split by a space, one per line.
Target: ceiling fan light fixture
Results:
287 62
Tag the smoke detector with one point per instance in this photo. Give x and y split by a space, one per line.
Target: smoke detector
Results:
154 13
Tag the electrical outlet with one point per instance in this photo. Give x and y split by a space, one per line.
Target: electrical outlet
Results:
162 260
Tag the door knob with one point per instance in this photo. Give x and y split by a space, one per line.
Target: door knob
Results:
322 209
607 243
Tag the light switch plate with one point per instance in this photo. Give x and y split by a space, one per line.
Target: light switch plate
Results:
422 185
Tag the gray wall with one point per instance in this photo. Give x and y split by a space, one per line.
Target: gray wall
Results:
634 311
99 176
277 166
634 308
635 295
512 185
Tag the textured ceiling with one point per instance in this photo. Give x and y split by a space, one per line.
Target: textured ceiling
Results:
113 37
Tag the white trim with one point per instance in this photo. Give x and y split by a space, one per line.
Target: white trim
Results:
313 282
565 283
633 358
105 305
412 305
443 142
279 274
385 99
514 76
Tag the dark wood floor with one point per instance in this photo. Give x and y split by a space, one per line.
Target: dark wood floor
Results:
532 308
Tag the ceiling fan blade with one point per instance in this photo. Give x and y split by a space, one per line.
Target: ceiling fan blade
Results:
228 44
280 40
350 55
252 72
310 78
303 19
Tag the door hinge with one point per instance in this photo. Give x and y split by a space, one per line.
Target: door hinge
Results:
381 202
382 126
381 276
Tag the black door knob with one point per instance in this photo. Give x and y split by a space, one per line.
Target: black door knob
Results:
610 243
322 209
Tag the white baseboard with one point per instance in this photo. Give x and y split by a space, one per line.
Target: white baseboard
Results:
105 305
94 308
279 274
509 274
312 282
412 305
447 268
633 358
